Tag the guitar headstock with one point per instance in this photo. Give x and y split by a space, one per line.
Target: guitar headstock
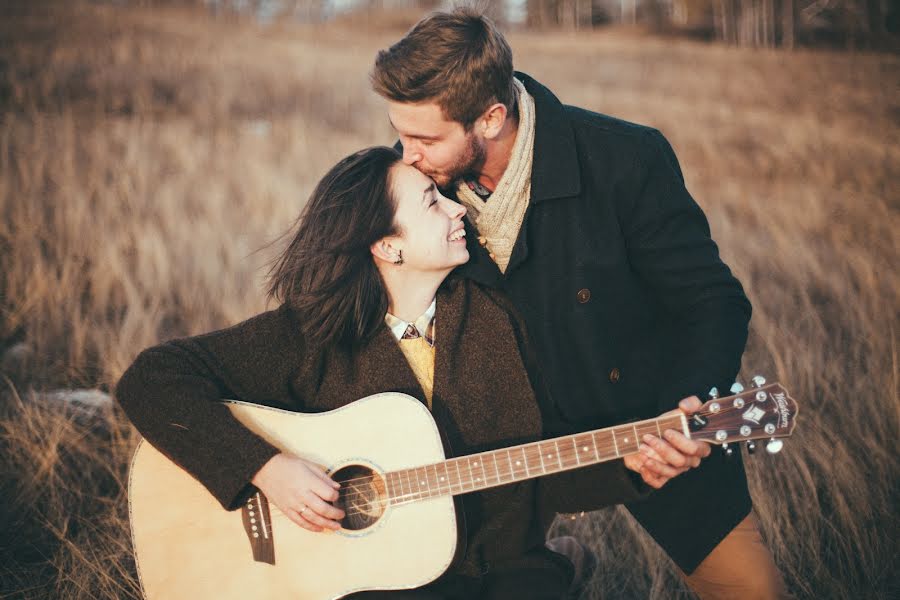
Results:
762 412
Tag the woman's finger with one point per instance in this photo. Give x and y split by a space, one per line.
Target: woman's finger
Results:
300 519
323 475
324 490
324 510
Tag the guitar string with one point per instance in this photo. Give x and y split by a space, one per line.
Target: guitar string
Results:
407 498
641 424
567 454
527 447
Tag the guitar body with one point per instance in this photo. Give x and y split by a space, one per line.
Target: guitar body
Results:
187 546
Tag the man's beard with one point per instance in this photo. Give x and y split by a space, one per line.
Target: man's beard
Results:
469 163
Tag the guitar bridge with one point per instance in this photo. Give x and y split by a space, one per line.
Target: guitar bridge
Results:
258 526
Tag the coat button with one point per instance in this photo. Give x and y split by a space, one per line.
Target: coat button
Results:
583 295
614 375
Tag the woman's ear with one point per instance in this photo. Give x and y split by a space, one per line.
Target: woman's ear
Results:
385 250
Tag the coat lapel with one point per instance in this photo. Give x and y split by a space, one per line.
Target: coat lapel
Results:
555 172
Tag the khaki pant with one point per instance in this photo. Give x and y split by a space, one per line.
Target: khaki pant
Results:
739 567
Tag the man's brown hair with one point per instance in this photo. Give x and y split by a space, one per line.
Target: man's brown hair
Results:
458 60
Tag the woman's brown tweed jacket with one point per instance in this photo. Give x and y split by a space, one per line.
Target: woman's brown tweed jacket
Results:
484 398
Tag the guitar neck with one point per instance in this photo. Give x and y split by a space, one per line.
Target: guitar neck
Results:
526 461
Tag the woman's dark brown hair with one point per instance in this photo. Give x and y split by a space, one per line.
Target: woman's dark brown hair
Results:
327 273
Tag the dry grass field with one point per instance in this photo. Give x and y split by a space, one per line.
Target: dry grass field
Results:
148 158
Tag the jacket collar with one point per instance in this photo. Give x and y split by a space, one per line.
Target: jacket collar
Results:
555 172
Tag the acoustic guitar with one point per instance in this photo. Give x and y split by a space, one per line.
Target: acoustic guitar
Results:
397 488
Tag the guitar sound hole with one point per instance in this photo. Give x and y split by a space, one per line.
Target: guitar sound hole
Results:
362 496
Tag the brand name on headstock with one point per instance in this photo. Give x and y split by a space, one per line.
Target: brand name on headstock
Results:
784 413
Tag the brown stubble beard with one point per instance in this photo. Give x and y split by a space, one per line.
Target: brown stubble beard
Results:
469 164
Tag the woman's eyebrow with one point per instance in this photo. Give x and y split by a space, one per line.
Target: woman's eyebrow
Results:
430 188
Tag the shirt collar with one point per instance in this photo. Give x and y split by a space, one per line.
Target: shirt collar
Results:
398 326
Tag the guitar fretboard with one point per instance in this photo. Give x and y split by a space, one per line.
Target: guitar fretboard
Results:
517 463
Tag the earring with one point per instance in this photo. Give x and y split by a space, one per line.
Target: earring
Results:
399 260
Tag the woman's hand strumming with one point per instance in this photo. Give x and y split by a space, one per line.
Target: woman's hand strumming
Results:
302 491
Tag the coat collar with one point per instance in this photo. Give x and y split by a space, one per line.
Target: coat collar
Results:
555 172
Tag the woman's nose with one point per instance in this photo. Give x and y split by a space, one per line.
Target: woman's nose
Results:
455 210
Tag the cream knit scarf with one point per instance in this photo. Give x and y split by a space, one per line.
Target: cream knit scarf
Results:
500 218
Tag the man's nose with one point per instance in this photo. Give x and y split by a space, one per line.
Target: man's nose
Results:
411 156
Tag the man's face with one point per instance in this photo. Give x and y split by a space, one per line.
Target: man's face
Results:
439 148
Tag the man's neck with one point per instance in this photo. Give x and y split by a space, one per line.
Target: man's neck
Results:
498 154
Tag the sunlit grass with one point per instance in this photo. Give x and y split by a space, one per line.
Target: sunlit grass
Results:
146 159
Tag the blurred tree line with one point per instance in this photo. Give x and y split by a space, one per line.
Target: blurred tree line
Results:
754 23
757 23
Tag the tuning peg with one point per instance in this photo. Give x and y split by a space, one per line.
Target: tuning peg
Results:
774 446
758 381
713 392
737 388
751 447
728 450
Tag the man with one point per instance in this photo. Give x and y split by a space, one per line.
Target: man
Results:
585 222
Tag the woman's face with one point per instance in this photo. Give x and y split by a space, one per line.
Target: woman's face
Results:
432 235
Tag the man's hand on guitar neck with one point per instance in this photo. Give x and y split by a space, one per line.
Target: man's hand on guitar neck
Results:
302 490
659 460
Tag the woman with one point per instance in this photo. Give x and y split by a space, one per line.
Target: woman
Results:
367 307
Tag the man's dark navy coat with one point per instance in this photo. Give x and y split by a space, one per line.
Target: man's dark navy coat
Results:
627 301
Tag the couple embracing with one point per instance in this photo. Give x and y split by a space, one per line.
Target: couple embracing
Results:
525 269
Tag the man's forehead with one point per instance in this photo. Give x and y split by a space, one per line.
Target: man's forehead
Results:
423 119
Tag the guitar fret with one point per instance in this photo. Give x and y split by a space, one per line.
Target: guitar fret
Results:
459 476
420 493
446 476
629 442
437 481
558 457
391 490
403 487
612 434
525 461
496 468
433 490
541 456
414 481
512 472
418 481
575 448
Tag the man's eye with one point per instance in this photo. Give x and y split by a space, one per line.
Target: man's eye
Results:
433 202
428 142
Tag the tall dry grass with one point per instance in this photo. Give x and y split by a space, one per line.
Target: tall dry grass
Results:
147 157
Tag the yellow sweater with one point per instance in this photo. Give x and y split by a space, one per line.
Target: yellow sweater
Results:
420 356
